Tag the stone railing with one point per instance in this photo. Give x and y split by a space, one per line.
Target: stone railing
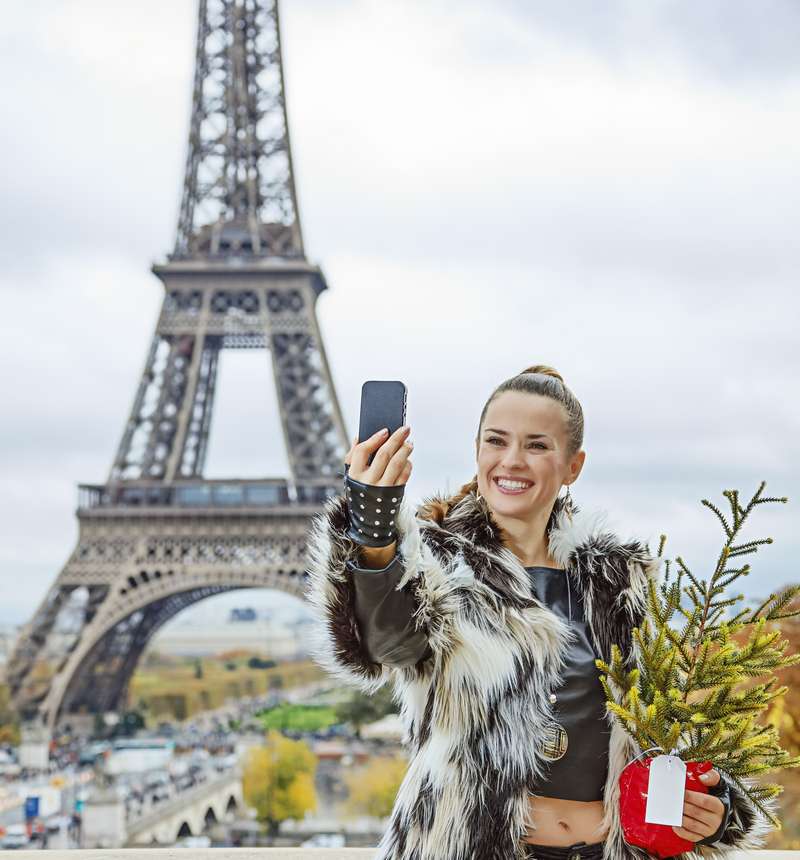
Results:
280 854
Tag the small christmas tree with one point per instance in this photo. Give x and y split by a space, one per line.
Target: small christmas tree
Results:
685 695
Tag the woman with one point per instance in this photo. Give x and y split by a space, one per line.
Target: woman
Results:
486 611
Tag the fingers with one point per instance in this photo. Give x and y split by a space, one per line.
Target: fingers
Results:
699 820
362 450
689 834
702 815
702 802
391 458
711 777
348 457
399 469
387 464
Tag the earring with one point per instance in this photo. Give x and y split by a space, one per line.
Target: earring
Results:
568 504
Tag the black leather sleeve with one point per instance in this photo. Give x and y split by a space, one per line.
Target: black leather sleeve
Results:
384 615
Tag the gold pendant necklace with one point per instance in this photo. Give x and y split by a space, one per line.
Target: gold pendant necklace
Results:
555 743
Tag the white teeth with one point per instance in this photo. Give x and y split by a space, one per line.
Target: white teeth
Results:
513 485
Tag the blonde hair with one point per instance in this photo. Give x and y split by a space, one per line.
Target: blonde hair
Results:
538 379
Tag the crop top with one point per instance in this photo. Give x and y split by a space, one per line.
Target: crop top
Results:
384 617
579 703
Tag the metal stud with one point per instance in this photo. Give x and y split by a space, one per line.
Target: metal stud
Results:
393 510
362 506
377 510
394 500
377 522
375 534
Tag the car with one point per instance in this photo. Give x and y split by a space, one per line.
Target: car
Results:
16 836
157 778
194 842
184 782
92 751
324 840
10 769
56 823
159 793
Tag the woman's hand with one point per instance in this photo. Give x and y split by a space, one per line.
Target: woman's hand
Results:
390 467
702 813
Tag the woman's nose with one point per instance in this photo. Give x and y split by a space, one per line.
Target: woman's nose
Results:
512 457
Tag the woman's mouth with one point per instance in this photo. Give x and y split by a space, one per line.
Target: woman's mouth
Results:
511 487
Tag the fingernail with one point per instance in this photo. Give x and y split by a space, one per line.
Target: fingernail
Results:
382 432
410 444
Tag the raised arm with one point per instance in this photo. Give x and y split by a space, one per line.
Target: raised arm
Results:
384 613
367 623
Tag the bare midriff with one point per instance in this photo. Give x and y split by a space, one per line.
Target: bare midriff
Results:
554 821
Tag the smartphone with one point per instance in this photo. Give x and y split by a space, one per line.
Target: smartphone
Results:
383 404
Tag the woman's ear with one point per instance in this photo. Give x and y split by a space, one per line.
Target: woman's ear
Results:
576 464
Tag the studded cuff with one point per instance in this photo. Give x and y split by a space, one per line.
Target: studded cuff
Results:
372 512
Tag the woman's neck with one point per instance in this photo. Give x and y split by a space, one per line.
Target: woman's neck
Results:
527 539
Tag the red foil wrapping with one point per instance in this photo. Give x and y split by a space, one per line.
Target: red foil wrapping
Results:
660 840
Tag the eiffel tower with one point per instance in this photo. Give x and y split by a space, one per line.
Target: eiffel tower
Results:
158 537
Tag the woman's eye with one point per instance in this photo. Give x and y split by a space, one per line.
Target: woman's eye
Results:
497 439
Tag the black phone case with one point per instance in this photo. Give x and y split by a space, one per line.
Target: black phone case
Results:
383 404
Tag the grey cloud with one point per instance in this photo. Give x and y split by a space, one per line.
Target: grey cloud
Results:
665 292
732 40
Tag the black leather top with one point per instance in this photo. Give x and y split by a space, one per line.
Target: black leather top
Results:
580 701
387 630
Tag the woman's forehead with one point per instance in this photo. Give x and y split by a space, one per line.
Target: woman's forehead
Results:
521 410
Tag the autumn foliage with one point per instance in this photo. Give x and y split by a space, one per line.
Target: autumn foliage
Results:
278 780
374 786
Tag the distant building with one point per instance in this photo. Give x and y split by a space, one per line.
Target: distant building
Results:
274 639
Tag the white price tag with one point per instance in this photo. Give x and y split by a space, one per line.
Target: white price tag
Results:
665 791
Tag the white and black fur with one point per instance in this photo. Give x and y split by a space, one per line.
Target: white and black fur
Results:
475 710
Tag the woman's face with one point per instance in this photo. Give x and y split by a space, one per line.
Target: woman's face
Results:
524 437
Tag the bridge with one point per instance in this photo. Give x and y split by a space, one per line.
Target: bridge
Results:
187 813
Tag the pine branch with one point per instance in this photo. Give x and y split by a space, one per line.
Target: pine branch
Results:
685 691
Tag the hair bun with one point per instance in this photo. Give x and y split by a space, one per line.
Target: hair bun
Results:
545 370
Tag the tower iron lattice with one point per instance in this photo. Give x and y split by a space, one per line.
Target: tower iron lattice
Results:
158 537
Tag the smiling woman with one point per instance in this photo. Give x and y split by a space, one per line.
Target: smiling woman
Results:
526 452
486 611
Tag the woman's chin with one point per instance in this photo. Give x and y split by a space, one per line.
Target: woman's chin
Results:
511 502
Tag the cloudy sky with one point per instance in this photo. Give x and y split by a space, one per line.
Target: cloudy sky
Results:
606 188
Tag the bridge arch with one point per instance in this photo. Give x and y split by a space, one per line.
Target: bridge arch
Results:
96 675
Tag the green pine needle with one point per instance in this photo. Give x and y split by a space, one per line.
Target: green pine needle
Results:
686 690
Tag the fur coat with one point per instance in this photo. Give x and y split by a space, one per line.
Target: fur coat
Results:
475 708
